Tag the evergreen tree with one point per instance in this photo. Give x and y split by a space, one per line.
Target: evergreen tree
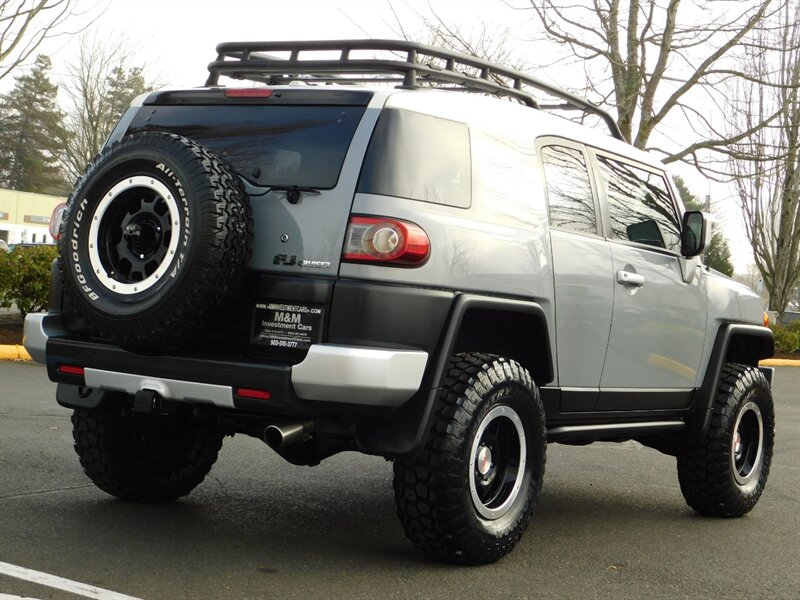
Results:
31 133
718 254
123 87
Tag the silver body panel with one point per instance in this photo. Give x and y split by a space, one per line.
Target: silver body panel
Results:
374 376
38 327
659 328
172 389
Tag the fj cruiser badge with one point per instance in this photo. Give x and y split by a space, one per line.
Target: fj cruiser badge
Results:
289 260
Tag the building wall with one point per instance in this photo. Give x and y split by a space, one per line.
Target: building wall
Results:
25 217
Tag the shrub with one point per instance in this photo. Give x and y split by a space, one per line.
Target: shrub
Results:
25 277
794 326
787 338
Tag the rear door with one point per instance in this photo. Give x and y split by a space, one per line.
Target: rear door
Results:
581 263
306 138
659 321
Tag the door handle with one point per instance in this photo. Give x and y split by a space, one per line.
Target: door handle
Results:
630 279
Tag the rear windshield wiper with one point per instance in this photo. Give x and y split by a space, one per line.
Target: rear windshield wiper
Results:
293 192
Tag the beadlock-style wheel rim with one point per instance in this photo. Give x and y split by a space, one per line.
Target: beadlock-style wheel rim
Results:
747 445
133 235
497 462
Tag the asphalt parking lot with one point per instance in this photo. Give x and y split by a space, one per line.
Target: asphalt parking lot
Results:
611 524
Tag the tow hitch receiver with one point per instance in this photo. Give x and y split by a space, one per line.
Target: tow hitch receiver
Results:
145 401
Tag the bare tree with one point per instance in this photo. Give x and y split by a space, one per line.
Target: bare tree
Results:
100 85
657 54
25 24
646 59
490 43
765 163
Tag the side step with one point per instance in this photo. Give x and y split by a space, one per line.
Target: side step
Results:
605 431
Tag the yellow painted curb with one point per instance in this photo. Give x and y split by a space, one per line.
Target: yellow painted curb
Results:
13 352
780 362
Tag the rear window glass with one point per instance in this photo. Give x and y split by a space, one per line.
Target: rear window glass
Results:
268 145
420 157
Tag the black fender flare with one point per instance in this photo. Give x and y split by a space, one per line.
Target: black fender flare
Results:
404 433
763 347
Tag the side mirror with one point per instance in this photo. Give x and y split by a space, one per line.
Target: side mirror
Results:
695 233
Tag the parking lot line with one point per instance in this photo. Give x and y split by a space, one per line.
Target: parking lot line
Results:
66 585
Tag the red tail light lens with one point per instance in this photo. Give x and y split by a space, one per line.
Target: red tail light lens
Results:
70 370
385 241
248 93
253 394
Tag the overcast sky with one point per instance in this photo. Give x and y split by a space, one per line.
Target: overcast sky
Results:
176 38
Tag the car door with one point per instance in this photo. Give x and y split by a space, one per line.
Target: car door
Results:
658 320
581 262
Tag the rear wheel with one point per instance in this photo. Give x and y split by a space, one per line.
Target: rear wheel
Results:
724 473
144 457
470 493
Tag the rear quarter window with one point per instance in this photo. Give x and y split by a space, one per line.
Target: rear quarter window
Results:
419 157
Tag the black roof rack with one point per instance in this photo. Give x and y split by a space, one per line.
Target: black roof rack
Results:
409 63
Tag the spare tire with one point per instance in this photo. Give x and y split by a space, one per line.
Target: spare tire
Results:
155 241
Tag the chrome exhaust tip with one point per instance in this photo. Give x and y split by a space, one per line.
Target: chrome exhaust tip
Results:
285 434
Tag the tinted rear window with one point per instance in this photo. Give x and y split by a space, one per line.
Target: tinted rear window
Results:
268 145
419 157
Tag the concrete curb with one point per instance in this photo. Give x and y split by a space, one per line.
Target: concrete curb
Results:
780 362
14 352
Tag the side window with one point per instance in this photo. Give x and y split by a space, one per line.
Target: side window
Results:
569 190
639 205
420 157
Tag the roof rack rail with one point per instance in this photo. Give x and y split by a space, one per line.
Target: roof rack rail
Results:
414 65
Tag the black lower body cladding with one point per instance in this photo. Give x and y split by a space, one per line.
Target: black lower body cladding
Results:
155 241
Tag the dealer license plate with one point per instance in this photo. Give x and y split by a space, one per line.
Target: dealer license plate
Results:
285 325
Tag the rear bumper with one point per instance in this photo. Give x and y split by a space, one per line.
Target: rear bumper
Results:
330 373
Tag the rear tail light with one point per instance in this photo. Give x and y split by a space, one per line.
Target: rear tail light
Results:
385 241
55 220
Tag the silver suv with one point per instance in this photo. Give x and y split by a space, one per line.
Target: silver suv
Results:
373 249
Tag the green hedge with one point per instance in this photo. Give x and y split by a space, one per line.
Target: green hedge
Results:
787 337
25 277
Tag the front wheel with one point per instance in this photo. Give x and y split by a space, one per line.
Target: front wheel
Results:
468 496
724 473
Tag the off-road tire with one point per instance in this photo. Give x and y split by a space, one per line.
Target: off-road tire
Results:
155 241
711 481
433 490
144 457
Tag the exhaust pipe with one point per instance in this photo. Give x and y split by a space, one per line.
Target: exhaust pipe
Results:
285 434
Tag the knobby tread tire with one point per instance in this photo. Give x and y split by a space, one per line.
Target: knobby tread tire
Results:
217 263
108 443
431 490
704 465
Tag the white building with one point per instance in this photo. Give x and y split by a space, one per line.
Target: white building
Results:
25 217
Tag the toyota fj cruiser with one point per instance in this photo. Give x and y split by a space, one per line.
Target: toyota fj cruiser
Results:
400 250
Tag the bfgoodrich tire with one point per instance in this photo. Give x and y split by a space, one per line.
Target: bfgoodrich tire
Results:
468 496
724 473
144 457
155 240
